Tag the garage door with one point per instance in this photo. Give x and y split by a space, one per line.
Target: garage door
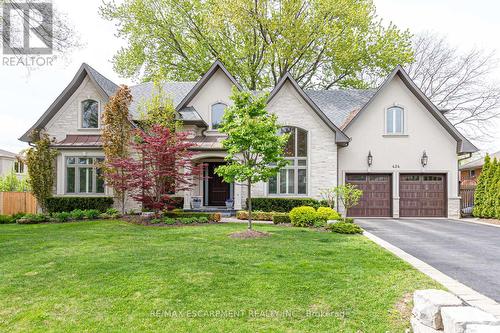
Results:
376 199
422 195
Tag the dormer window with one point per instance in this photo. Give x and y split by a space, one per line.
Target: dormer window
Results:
394 120
217 113
90 114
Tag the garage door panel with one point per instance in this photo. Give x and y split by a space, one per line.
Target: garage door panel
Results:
422 195
376 199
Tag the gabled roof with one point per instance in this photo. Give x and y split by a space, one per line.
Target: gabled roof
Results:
463 145
105 86
479 162
204 79
340 136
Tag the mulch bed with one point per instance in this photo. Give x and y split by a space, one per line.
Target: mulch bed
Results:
249 234
490 221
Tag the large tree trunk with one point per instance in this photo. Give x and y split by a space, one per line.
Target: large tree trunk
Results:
249 204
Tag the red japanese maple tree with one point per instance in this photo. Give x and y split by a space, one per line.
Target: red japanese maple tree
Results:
162 166
165 166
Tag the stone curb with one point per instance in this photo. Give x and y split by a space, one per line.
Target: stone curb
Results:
469 295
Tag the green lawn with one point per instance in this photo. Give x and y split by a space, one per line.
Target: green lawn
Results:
113 276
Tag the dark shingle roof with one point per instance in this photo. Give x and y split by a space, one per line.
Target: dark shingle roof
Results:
107 85
142 92
338 104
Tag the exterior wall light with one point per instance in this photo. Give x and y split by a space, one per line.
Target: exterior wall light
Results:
370 158
424 159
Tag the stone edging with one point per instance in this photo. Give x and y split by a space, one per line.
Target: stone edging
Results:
467 294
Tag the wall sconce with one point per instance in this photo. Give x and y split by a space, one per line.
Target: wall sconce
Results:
424 159
370 158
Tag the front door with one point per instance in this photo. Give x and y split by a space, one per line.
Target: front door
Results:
218 190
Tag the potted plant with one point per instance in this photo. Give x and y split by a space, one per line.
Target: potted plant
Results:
229 203
196 202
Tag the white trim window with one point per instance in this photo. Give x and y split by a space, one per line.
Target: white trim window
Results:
394 120
83 176
90 113
292 179
18 167
216 115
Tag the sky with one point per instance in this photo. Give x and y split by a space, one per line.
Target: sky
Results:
25 95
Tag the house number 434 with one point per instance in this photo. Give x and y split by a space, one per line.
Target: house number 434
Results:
395 166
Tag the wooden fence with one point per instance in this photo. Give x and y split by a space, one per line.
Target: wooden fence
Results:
17 202
467 201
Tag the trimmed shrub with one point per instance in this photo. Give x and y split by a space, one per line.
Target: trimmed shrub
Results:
304 216
327 213
280 218
345 228
62 216
242 215
68 204
284 205
256 215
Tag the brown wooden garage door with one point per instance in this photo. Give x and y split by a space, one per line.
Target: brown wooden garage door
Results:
422 195
376 199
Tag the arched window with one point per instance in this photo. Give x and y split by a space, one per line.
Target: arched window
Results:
217 114
90 114
395 120
292 179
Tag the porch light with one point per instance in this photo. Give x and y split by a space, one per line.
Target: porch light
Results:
424 159
370 158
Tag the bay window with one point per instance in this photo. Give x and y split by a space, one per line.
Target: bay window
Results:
292 179
83 175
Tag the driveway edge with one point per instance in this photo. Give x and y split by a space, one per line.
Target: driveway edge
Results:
467 294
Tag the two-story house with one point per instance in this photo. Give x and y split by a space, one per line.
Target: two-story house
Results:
391 142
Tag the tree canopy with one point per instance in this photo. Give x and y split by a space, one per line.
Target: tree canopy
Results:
322 43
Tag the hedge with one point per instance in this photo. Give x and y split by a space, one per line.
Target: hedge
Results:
284 205
280 218
68 204
487 194
212 217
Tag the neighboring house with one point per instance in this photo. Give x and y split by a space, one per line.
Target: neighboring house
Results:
392 142
12 162
470 171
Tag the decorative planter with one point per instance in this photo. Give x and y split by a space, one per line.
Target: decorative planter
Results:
196 202
229 204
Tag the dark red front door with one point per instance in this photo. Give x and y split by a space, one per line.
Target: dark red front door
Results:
218 190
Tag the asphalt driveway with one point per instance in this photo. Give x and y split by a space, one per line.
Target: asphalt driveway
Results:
467 252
